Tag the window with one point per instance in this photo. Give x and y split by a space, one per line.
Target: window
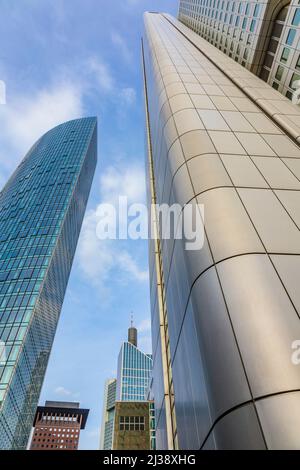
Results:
132 423
285 55
269 61
265 74
279 73
296 19
297 66
256 10
290 37
295 77
252 26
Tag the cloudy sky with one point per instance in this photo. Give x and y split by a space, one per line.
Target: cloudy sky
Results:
63 59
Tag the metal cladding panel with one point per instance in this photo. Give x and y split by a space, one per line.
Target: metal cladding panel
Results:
233 306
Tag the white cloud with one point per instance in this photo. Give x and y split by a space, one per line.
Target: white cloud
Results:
126 180
144 326
98 259
25 118
106 83
144 343
122 46
128 264
29 115
128 95
144 335
103 74
62 391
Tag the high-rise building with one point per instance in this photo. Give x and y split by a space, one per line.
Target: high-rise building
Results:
108 414
225 317
131 386
134 370
262 35
41 212
57 426
132 429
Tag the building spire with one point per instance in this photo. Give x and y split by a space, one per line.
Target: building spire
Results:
132 332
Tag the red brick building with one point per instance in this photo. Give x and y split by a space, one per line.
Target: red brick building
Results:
57 426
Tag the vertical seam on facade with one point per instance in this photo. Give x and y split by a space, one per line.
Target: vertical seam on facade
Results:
169 420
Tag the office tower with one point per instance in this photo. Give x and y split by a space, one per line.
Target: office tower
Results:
57 426
224 317
131 387
41 211
108 414
134 370
263 36
132 425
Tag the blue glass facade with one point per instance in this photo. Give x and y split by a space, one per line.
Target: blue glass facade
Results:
41 212
134 373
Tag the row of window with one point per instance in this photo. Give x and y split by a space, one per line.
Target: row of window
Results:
59 418
132 423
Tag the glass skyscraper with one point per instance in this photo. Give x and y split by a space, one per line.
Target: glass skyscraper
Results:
132 385
134 373
41 212
225 318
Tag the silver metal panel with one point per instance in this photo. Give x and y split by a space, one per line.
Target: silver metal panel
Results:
224 375
264 321
232 340
191 401
280 420
228 226
239 430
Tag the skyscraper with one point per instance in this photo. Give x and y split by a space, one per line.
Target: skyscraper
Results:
261 35
57 426
41 212
224 317
132 385
132 430
134 370
108 414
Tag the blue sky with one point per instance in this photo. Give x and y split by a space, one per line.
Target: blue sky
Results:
62 59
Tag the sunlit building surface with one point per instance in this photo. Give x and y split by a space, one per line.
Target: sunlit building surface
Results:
262 35
132 429
134 371
108 414
125 395
224 317
41 212
57 426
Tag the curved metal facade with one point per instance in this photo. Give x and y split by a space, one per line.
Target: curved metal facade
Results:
261 35
231 308
41 212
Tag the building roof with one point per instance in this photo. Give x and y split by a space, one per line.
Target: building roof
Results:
47 409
